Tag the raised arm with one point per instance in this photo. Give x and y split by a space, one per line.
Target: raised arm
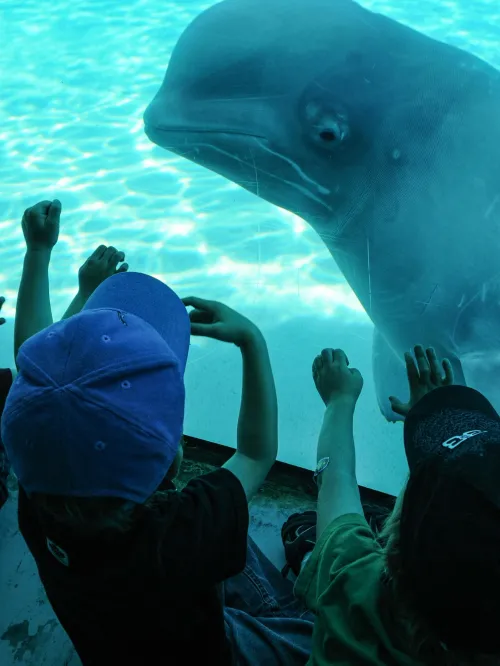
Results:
339 387
40 225
257 439
101 264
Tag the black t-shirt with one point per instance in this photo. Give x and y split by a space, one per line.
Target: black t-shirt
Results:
152 595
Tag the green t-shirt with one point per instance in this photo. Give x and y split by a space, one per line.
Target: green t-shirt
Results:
341 583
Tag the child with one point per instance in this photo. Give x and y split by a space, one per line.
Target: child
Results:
93 427
428 591
100 265
6 377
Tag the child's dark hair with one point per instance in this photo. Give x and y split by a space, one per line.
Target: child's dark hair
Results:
424 645
92 516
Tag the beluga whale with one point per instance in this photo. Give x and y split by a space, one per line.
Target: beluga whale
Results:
384 140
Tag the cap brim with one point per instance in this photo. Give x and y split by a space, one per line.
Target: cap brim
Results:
445 398
151 300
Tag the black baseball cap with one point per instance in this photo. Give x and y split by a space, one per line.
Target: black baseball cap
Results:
450 518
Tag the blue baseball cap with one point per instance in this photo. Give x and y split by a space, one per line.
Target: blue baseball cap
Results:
97 408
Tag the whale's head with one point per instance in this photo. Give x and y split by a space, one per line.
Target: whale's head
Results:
321 107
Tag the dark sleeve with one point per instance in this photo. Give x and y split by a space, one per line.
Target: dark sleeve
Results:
208 534
5 384
346 541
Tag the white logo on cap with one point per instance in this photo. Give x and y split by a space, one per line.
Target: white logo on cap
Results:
60 554
456 440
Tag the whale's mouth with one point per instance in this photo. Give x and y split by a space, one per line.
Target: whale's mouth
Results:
179 129
272 183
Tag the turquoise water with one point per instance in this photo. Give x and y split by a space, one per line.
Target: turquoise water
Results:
75 80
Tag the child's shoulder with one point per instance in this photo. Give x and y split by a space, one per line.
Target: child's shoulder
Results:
7 376
6 379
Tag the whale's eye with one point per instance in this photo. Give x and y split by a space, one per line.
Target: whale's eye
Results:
327 127
328 135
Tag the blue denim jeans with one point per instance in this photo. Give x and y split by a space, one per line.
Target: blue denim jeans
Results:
266 625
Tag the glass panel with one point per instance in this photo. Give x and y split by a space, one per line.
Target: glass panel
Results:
384 141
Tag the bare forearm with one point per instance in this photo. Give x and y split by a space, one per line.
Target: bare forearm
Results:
338 488
33 311
258 419
76 305
336 439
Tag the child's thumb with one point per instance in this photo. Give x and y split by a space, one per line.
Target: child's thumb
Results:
205 330
397 406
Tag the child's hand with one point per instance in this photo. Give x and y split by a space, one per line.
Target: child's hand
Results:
101 264
41 225
216 320
2 301
334 379
423 377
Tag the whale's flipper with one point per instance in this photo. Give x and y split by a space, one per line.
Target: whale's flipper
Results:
389 375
